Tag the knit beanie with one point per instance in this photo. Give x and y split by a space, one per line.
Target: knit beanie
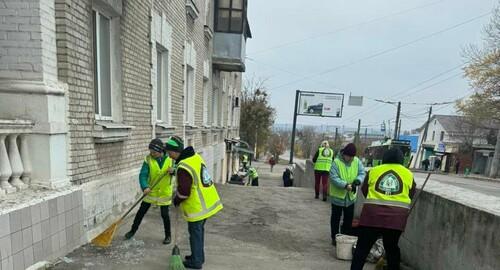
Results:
174 144
156 145
349 150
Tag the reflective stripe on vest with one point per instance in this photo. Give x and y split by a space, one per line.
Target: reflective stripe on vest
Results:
161 194
159 200
323 163
390 184
202 202
348 174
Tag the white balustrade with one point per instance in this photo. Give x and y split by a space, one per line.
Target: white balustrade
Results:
15 160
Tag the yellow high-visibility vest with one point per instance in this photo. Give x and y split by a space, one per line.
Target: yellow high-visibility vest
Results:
324 160
348 174
203 201
161 194
390 184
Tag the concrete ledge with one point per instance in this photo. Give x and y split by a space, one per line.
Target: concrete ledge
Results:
453 228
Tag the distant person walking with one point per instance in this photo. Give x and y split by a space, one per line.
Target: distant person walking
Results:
437 164
426 164
323 159
457 166
272 162
346 174
389 189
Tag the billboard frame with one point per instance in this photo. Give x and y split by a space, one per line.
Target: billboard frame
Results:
323 93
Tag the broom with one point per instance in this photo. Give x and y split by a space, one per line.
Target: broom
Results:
175 262
105 238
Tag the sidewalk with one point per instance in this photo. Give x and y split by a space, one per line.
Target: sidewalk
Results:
470 176
266 227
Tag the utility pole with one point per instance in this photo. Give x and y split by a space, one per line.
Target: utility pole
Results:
357 137
397 121
292 143
399 129
424 137
336 135
366 135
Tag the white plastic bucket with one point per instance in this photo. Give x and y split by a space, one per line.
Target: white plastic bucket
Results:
344 246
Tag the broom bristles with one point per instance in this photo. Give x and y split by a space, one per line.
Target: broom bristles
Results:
176 260
104 239
176 263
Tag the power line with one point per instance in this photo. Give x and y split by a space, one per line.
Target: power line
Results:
346 28
386 50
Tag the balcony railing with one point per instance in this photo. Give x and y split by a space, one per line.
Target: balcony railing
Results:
15 160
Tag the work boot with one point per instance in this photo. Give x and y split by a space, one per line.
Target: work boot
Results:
129 235
190 265
317 196
324 199
167 240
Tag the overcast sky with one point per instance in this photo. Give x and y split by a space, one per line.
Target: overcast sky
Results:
374 48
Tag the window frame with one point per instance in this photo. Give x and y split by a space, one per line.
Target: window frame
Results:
96 19
441 136
163 89
189 95
243 11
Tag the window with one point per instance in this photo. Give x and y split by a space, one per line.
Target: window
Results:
189 96
433 135
206 92
441 137
230 14
102 65
162 93
215 107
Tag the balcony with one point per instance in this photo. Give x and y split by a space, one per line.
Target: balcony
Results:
229 51
231 33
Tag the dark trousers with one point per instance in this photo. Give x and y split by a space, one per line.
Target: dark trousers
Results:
255 182
335 219
142 212
366 239
197 241
321 178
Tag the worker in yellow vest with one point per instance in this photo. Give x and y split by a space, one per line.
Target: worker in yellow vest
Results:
253 177
347 172
323 160
389 190
196 195
155 164
245 161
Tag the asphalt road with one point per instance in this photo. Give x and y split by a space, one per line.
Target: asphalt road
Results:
491 188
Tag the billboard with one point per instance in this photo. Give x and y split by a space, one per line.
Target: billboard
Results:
320 104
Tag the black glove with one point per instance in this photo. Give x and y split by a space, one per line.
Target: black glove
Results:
356 183
177 202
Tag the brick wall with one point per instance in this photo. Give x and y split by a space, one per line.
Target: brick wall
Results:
23 26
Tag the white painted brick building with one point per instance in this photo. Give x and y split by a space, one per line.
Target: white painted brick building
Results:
84 86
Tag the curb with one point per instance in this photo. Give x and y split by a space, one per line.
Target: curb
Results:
43 265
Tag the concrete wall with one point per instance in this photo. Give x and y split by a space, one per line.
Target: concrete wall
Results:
40 229
303 174
453 228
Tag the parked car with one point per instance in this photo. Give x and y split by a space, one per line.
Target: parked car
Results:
316 109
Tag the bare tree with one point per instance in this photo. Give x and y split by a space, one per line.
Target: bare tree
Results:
483 72
257 116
